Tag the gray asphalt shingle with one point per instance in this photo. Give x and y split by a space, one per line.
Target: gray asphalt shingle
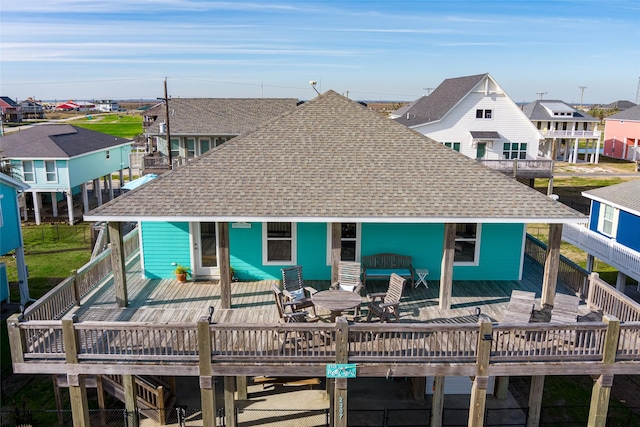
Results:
55 141
626 194
333 159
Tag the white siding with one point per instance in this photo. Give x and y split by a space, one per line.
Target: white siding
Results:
507 119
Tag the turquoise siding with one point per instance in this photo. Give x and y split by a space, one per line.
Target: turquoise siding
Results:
41 183
95 165
246 252
164 243
500 249
10 230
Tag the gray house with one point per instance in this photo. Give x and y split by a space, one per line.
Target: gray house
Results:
197 125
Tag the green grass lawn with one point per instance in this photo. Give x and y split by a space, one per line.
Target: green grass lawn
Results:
121 125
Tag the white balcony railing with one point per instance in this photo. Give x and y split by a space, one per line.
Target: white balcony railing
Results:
613 253
571 133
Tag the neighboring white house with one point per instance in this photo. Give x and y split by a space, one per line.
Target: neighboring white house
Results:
566 126
475 116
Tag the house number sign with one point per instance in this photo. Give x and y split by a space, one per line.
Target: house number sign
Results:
344 370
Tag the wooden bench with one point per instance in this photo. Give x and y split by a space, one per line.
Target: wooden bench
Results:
381 266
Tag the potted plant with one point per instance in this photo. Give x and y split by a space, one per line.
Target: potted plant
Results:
182 273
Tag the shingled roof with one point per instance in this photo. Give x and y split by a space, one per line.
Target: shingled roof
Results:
55 142
632 114
624 195
219 116
435 106
535 111
332 159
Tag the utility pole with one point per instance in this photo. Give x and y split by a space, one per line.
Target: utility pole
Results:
541 93
582 88
428 89
166 112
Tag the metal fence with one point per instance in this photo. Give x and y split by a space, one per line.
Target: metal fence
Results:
566 416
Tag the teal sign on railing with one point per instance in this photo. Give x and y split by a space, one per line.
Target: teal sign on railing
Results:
345 370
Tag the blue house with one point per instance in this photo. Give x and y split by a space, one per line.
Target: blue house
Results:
11 233
614 229
60 161
332 177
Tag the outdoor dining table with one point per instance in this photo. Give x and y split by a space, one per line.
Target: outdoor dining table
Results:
336 301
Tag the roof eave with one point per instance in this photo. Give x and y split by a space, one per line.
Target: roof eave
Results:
403 220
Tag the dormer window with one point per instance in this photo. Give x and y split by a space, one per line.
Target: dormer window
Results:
483 114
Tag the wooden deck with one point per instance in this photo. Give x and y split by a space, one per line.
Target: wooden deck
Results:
169 301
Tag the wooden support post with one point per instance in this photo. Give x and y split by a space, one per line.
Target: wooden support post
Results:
229 401
336 249
17 343
76 290
77 386
98 191
225 265
535 400
117 264
241 387
437 402
501 388
207 385
418 387
85 198
58 397
342 356
551 265
70 206
54 203
621 281
602 387
37 202
446 270
479 389
101 401
130 399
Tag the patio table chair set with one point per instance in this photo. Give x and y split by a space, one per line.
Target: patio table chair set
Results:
295 297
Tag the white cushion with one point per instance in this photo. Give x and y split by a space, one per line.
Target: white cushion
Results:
297 294
347 288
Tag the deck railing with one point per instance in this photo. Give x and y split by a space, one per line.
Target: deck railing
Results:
569 272
138 343
68 293
607 299
517 167
608 250
571 133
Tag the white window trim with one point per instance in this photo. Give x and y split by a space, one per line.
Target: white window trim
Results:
199 151
476 254
55 171
358 242
33 172
294 246
614 220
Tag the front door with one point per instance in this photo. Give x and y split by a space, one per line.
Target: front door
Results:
205 248
481 150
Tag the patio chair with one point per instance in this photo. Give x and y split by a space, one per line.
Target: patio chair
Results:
386 304
294 289
520 307
289 311
349 280
348 277
565 309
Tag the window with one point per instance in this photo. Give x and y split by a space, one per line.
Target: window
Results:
175 148
107 154
483 114
279 243
50 169
350 233
454 145
514 150
608 220
27 171
467 244
191 147
205 145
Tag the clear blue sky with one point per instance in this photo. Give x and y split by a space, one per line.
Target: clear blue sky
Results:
375 50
